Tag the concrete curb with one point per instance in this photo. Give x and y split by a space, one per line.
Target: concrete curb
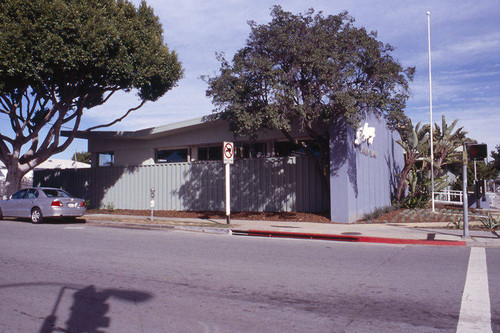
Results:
346 238
472 242
145 226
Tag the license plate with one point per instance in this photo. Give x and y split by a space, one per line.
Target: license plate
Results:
71 205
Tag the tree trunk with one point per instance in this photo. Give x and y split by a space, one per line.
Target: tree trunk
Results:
13 180
401 184
402 178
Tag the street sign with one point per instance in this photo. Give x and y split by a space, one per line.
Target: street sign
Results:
477 151
228 152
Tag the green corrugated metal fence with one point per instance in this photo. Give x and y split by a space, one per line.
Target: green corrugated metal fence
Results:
268 184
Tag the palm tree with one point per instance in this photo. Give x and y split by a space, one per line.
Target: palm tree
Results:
413 151
446 141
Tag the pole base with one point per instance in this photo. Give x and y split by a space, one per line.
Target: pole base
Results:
228 219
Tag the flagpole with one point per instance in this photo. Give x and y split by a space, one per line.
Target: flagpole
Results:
430 109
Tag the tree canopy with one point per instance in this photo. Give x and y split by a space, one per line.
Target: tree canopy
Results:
61 57
84 157
312 70
496 157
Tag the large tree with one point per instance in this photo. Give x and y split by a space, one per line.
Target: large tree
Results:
59 58
309 70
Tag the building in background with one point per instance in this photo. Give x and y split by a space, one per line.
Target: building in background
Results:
50 164
183 162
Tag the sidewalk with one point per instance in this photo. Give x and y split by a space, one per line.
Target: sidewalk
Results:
398 233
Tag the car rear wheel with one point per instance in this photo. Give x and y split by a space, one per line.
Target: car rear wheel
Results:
36 215
1 214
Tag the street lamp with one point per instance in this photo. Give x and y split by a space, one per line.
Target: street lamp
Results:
430 109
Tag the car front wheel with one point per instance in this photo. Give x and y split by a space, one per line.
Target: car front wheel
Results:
36 215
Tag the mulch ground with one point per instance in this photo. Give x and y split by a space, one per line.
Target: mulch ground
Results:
265 216
413 216
424 215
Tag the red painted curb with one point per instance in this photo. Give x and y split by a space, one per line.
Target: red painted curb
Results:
346 238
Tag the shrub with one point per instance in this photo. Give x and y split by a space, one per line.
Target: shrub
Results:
419 201
490 222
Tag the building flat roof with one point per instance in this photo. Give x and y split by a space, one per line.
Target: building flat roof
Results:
148 133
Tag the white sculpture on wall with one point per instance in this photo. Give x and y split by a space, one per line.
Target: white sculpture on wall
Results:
363 134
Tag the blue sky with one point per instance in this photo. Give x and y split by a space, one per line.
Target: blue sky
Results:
465 42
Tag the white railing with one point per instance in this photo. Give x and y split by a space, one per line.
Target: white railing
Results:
449 197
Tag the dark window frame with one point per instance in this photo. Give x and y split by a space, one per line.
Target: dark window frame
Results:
106 153
24 191
213 153
160 160
32 190
289 148
251 149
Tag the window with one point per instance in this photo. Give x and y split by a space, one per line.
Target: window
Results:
19 194
171 155
250 150
210 153
53 193
32 194
106 159
287 148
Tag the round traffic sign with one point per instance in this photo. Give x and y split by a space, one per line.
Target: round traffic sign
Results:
228 150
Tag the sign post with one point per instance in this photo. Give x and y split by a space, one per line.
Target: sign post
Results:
464 193
228 154
477 152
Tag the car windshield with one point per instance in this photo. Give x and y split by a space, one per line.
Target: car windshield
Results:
53 193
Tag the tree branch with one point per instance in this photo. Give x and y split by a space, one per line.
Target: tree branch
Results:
5 104
109 95
14 121
5 138
52 131
43 155
4 150
118 119
33 157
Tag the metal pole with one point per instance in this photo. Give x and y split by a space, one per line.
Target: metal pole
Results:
475 171
476 186
228 193
152 201
430 109
464 188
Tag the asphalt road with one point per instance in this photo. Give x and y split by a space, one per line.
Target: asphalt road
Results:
76 278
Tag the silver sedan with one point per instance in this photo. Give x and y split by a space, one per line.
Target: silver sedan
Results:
39 202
